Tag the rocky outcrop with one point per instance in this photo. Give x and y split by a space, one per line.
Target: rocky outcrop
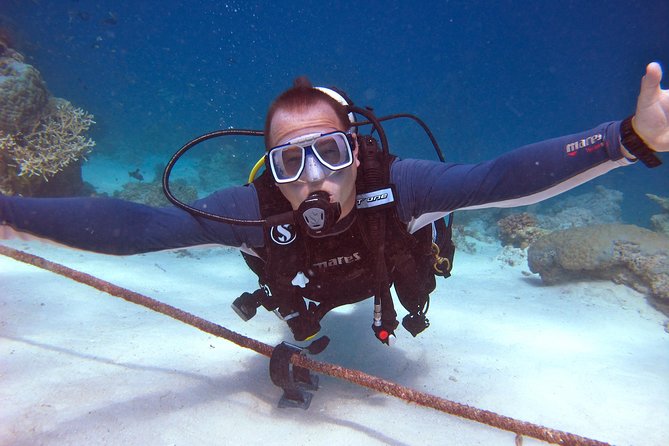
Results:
625 254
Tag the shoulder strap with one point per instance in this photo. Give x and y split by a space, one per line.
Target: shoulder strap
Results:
271 199
284 246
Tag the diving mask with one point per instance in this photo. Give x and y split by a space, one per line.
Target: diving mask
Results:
332 150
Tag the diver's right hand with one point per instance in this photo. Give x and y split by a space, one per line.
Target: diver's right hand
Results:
651 120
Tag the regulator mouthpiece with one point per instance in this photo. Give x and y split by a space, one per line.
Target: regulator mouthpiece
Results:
317 215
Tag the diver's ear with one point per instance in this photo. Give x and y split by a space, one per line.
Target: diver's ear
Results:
355 149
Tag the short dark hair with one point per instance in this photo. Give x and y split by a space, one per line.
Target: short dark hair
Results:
300 96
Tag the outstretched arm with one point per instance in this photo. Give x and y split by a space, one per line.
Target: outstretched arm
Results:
119 227
651 121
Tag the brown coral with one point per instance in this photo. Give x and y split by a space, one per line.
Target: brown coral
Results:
519 230
625 254
23 95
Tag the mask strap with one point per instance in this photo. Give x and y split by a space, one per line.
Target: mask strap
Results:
339 98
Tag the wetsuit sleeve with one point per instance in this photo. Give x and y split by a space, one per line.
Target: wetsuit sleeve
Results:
429 190
113 226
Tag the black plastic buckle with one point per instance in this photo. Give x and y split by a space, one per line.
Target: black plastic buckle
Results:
415 323
247 304
294 380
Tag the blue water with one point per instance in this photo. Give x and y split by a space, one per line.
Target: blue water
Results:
486 76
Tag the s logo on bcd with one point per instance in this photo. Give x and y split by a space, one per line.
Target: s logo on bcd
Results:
282 234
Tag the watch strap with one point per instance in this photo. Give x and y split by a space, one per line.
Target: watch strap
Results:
636 146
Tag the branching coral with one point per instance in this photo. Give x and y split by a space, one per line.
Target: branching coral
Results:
57 140
40 136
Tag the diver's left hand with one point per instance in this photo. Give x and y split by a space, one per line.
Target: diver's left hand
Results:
651 121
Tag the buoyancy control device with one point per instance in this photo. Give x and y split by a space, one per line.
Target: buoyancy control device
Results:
388 254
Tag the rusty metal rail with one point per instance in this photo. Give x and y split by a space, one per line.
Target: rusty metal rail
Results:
521 428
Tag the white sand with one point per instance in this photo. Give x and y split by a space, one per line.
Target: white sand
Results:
82 367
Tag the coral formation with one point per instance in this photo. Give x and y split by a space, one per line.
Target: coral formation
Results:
40 135
152 193
660 222
625 254
226 166
599 207
519 230
512 256
663 202
22 91
474 227
53 143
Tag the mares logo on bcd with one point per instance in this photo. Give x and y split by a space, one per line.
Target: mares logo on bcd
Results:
282 234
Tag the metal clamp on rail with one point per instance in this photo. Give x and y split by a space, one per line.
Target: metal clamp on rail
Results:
294 380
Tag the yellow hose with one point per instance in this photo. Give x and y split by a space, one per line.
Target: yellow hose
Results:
256 168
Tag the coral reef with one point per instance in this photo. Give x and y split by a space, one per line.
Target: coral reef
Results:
473 227
599 207
519 230
53 143
625 254
663 202
152 193
464 239
40 136
512 256
228 165
23 93
660 222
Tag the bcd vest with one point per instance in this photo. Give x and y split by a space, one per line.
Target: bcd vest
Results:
340 269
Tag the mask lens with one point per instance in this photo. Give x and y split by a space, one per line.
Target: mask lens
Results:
287 162
333 151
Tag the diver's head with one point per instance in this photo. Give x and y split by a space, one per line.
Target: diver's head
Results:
308 118
303 96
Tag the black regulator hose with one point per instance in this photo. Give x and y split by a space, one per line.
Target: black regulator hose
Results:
199 212
369 115
419 121
287 217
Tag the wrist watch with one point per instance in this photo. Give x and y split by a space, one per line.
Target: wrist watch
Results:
636 146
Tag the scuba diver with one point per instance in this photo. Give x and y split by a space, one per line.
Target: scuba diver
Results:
335 218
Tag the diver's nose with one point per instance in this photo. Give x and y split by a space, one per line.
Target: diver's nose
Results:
313 170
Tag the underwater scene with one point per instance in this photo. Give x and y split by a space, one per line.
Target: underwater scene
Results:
553 326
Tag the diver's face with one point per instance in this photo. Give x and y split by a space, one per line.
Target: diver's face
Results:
340 185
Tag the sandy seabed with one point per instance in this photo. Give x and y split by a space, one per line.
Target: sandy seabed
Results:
82 367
